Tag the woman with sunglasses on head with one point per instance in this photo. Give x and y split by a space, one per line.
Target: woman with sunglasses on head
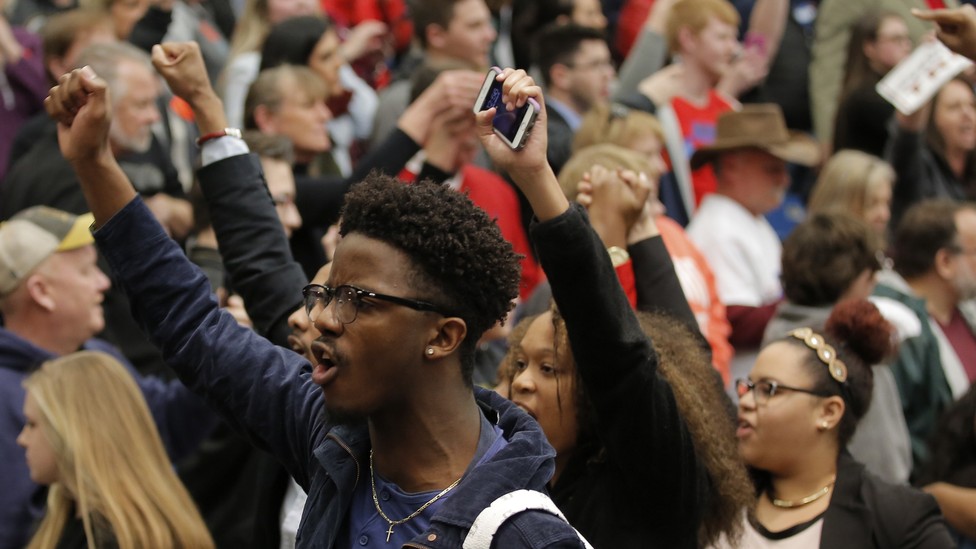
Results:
797 411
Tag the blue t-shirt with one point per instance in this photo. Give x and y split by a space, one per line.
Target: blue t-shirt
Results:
366 528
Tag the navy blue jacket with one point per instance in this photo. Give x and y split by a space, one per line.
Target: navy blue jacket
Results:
182 418
266 392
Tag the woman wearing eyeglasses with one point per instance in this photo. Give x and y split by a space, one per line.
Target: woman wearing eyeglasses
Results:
797 410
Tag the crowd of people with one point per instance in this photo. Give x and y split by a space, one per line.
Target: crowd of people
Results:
269 277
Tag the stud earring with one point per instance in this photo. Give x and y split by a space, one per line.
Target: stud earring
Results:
824 425
430 351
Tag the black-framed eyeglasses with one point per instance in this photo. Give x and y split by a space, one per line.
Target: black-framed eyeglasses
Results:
764 390
349 299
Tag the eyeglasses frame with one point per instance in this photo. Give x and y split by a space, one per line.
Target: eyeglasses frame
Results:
774 387
415 304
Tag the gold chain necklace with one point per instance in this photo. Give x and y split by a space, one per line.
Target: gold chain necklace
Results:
391 522
790 504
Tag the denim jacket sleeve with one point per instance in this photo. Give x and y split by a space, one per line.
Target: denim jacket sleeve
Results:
640 426
263 391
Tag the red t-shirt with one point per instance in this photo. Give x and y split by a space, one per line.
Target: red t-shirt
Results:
963 341
698 129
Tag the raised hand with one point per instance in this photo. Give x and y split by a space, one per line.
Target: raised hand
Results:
956 28
449 132
363 39
528 166
616 200
745 73
454 90
657 16
181 65
80 105
517 88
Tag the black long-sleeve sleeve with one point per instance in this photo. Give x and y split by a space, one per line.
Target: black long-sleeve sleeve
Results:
252 243
658 287
648 445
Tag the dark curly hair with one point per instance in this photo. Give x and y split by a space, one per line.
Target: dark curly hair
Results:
862 338
463 264
701 401
824 255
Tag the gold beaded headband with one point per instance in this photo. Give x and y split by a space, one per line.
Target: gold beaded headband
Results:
825 352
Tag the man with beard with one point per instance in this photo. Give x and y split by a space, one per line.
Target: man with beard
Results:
934 251
43 177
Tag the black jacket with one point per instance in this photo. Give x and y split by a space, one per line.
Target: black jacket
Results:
867 512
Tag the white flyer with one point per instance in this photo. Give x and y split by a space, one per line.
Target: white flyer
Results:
915 80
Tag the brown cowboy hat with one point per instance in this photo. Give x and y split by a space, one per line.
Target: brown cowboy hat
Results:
758 126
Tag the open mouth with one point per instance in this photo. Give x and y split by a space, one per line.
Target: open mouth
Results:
325 368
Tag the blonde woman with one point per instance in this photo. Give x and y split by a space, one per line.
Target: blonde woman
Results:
90 437
855 183
620 125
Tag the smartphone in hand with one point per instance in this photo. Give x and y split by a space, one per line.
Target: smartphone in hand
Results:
511 126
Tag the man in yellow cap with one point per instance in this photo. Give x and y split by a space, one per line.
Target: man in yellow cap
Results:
51 294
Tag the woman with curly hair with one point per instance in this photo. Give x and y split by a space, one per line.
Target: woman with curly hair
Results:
111 484
645 455
798 409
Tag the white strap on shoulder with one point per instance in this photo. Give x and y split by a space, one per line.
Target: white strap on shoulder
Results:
492 517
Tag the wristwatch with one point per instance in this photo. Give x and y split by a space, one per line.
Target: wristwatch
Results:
618 255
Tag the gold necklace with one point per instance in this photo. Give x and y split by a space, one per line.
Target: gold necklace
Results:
790 504
391 522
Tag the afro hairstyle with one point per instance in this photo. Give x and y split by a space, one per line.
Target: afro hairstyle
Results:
458 250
